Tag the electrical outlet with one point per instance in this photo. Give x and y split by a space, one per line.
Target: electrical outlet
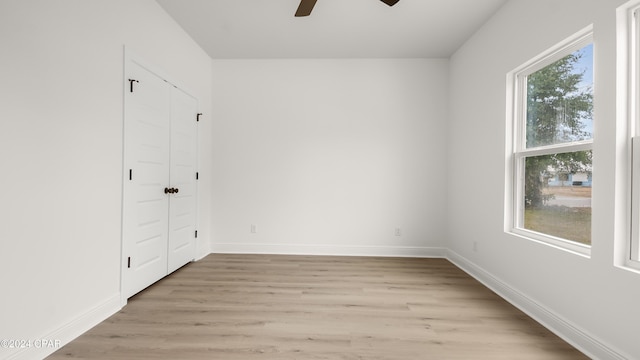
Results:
397 232
253 228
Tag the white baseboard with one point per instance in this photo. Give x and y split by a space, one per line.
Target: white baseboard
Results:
572 334
337 250
67 332
201 256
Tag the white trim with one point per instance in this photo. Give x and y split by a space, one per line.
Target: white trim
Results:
510 180
584 145
131 55
575 42
633 252
555 242
334 250
571 333
202 255
71 330
628 77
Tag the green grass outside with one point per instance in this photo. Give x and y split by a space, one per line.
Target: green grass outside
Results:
560 221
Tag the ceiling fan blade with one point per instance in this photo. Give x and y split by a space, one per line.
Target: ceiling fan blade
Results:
390 2
305 7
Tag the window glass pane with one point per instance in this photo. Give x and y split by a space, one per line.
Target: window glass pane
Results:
560 101
557 195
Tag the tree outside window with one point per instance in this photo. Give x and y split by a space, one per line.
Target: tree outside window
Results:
554 153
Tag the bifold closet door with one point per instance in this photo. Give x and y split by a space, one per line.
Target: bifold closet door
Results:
183 175
159 198
147 137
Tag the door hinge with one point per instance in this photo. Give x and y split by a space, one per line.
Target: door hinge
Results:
197 175
196 233
130 174
129 262
198 116
131 81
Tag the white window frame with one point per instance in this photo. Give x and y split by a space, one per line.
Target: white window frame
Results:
518 152
632 33
633 251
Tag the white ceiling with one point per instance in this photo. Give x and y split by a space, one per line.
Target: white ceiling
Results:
235 29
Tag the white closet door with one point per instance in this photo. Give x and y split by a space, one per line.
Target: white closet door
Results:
183 203
147 166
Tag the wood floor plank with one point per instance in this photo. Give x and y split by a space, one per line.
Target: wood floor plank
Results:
318 307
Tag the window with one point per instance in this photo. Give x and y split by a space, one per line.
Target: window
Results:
633 29
551 153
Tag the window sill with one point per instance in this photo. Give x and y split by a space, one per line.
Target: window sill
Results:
631 266
554 242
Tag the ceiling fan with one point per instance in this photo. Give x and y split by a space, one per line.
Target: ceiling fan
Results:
305 7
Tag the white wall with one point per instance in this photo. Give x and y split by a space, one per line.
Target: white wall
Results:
585 299
329 156
323 156
61 97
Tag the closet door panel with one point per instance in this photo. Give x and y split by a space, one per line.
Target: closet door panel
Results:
183 204
147 165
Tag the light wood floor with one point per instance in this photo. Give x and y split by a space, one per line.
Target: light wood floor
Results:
317 307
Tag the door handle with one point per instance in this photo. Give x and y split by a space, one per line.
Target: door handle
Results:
171 190
167 190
